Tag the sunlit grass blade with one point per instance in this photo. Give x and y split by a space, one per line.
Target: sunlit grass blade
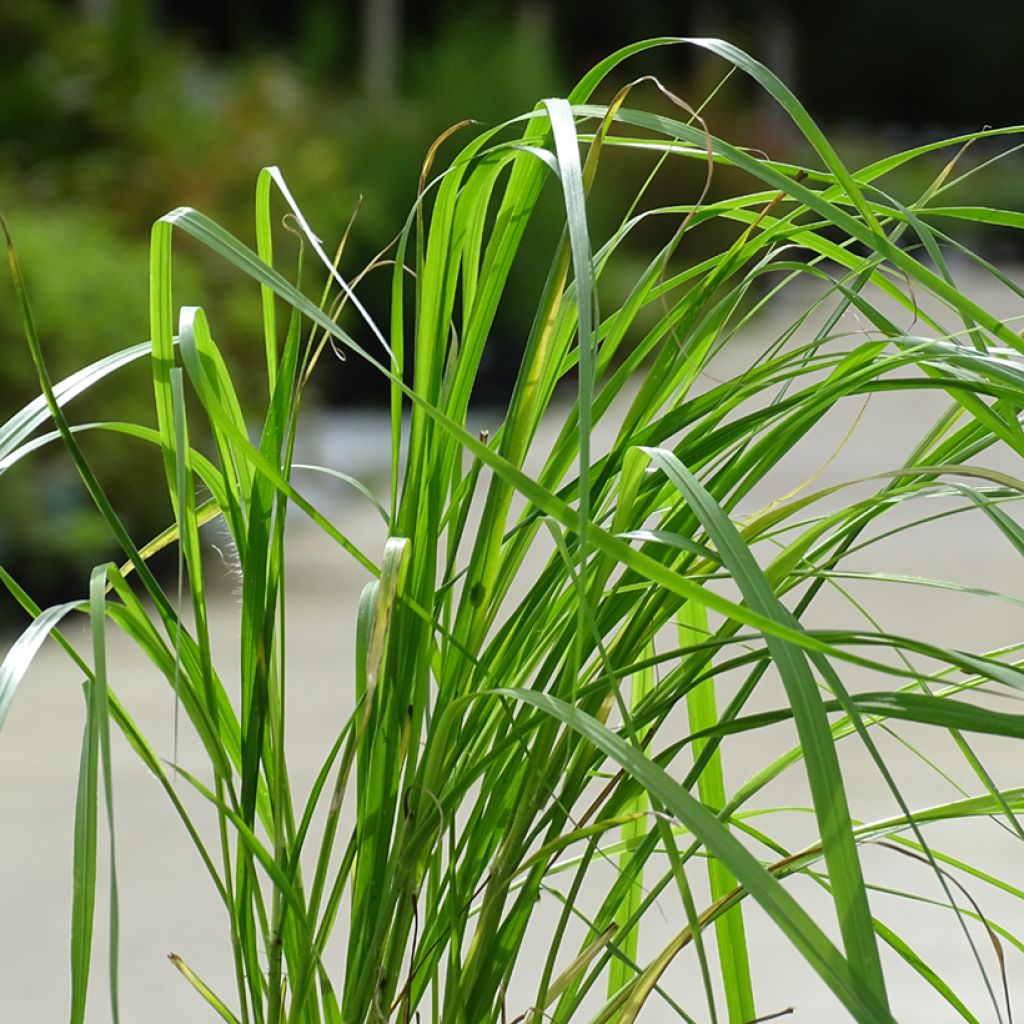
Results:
791 919
99 708
21 425
627 938
19 655
729 930
203 989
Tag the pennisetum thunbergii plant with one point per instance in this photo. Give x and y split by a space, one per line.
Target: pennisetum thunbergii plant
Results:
535 758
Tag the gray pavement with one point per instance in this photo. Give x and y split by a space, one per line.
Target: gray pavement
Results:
168 905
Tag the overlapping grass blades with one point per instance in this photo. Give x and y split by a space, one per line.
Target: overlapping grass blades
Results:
508 725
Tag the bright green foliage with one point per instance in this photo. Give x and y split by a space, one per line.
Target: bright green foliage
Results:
506 740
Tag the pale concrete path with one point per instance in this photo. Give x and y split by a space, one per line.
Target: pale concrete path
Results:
168 905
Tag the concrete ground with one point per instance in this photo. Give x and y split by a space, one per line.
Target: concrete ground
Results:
167 904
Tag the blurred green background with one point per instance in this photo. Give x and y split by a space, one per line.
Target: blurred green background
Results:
114 111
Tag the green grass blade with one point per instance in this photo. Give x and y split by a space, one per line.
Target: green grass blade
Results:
627 939
732 944
204 990
19 656
26 420
570 174
99 708
791 919
95 759
820 757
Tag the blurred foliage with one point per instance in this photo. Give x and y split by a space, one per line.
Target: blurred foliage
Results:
112 121
98 145
90 295
185 128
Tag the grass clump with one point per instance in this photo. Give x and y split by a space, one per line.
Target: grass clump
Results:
516 734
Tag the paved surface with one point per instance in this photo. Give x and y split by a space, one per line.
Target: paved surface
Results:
168 906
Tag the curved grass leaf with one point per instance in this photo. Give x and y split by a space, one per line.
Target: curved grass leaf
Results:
787 914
